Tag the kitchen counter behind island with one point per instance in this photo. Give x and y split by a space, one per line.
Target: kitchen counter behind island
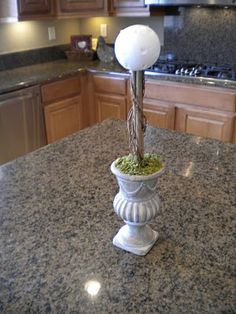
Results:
57 225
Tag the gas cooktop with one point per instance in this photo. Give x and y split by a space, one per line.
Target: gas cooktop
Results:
191 69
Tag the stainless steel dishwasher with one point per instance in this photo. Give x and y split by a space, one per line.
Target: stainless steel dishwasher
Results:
21 123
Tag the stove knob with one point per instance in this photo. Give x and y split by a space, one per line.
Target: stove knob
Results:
177 72
182 71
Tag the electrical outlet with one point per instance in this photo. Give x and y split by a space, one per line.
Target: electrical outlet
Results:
51 33
103 30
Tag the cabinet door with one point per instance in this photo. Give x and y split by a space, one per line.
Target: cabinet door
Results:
80 5
35 7
63 118
205 123
109 106
129 4
159 114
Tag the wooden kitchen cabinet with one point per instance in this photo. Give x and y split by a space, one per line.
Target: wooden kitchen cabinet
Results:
63 107
133 8
129 8
110 97
196 109
205 123
110 106
159 113
128 4
83 8
35 9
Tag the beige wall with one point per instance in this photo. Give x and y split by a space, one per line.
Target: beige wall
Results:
30 35
92 26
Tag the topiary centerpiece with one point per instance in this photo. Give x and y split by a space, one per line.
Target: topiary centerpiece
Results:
137 47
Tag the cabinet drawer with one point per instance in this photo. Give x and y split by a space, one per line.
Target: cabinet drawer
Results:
110 85
208 97
60 89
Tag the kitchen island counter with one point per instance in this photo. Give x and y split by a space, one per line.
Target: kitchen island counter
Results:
57 225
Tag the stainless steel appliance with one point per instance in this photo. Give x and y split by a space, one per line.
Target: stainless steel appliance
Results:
188 68
191 2
21 123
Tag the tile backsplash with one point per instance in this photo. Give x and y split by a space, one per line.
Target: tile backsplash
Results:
202 35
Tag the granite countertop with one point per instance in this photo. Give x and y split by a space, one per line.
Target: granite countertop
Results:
26 76
57 225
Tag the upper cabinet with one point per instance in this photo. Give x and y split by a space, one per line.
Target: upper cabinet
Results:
128 4
132 8
129 8
22 10
84 8
13 10
33 9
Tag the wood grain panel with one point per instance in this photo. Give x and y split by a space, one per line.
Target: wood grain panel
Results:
60 89
110 106
37 7
63 118
159 114
106 84
209 97
78 5
128 4
205 123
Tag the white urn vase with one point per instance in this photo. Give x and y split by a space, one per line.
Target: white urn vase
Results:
137 203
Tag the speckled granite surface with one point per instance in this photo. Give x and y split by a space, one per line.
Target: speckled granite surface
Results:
205 35
40 73
57 225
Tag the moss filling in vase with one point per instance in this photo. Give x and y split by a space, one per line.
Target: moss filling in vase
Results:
150 164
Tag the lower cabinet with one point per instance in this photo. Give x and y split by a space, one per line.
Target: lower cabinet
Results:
63 107
159 113
195 109
110 97
63 118
108 106
82 100
205 123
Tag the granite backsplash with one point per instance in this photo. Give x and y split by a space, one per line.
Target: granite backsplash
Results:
29 57
204 35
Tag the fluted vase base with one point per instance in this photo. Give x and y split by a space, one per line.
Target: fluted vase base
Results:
135 239
136 203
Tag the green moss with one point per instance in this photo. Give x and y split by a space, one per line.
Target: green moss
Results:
151 163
